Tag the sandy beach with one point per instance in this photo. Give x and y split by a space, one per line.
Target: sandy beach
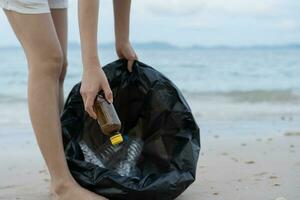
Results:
262 168
229 168
253 156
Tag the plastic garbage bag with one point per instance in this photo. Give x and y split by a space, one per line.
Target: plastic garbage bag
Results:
150 105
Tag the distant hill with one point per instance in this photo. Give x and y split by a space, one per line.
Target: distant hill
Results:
284 46
165 45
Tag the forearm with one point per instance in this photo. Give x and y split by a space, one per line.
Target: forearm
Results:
88 24
122 20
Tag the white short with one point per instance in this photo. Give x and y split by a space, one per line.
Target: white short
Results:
33 6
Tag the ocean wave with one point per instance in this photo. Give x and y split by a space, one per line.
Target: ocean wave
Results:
11 99
252 96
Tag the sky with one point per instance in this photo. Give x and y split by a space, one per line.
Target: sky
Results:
194 22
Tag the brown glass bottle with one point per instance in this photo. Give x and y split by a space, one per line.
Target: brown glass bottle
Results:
108 119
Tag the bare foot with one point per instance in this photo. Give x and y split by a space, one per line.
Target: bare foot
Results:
73 191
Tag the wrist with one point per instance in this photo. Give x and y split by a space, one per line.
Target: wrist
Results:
91 62
91 69
122 42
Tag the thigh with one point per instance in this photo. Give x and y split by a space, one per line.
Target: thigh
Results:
36 33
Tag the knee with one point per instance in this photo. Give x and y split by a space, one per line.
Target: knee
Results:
54 64
49 65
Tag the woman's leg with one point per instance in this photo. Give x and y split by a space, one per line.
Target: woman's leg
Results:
45 58
60 20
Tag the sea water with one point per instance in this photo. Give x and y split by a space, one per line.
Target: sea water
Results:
192 70
260 76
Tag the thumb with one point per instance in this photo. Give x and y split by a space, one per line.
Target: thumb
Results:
108 94
89 106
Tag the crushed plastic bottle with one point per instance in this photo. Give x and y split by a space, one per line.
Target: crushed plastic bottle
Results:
120 158
125 164
102 156
107 152
89 155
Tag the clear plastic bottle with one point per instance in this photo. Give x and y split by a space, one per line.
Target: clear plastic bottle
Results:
119 158
89 155
107 153
128 157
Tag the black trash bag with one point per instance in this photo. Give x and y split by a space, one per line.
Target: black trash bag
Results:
147 101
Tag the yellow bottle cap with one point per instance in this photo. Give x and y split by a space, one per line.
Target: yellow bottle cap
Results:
116 139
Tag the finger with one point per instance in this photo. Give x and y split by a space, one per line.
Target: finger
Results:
129 65
89 105
83 96
108 94
133 57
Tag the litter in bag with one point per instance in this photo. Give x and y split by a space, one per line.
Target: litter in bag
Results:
149 106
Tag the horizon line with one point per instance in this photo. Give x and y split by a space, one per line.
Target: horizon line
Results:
166 45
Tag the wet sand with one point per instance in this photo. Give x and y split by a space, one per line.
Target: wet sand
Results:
230 167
